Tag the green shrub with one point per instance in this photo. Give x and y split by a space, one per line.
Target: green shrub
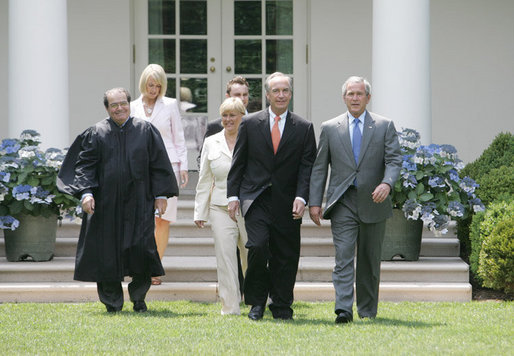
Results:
497 185
495 181
476 243
499 153
496 265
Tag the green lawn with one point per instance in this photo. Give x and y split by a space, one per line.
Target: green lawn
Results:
187 328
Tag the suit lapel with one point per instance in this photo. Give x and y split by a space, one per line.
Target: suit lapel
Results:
344 134
159 105
222 143
264 126
367 133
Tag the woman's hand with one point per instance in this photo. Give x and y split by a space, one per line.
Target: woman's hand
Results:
184 178
200 223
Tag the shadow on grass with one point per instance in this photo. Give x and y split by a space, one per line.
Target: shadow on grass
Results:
358 322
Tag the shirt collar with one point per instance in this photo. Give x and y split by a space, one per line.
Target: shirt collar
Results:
360 118
272 115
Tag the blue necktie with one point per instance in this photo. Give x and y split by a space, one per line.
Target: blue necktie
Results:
356 142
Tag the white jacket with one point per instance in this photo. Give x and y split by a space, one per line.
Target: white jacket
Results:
166 118
212 181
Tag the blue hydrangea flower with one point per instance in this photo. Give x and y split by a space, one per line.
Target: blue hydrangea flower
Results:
21 192
410 182
468 185
10 146
5 177
455 209
8 222
436 182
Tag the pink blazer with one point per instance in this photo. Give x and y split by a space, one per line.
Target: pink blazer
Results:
166 118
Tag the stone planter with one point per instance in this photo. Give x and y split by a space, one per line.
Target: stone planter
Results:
402 240
34 238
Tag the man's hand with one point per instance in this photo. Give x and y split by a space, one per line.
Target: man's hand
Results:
316 212
298 209
200 223
88 205
184 178
233 209
381 192
160 205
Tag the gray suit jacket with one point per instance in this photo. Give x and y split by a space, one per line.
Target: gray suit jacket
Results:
380 161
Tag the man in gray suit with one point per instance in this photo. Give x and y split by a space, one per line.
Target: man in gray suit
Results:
364 156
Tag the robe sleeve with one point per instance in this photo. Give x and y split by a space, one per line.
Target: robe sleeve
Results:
162 179
78 170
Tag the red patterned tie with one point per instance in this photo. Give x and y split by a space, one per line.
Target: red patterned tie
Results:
275 134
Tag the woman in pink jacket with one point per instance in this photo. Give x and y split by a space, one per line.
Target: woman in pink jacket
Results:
164 114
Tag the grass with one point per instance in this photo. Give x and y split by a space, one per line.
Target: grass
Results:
186 328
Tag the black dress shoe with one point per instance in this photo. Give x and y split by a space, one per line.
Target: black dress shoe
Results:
283 317
140 306
111 309
256 312
344 318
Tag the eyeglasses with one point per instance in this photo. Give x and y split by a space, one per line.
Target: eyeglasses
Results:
123 104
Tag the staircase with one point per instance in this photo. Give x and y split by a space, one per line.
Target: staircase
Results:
190 265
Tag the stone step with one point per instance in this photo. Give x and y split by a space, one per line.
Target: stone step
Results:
203 269
194 245
72 292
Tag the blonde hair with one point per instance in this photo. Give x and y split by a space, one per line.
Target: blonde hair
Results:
156 72
232 104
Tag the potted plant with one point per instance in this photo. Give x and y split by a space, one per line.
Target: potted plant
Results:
429 191
30 203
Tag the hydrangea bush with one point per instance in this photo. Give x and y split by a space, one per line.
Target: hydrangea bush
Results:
28 181
429 187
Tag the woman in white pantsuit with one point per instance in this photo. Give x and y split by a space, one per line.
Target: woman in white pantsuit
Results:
211 200
164 114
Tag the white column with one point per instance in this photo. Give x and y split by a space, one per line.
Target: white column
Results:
38 70
401 64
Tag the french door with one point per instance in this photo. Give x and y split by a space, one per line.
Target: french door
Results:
203 44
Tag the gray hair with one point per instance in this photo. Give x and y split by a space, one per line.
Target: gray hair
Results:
275 75
356 79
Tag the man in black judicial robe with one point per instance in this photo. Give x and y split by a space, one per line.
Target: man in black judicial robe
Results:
120 170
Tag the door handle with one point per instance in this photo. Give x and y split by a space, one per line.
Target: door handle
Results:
229 68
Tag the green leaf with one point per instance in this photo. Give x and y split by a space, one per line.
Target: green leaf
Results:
412 195
28 205
33 181
426 197
15 207
420 188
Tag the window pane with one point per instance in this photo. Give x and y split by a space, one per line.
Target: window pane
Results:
193 17
279 17
248 56
193 56
198 89
171 90
279 56
162 52
161 17
255 102
247 18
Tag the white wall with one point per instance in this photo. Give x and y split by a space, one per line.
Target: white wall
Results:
100 57
340 46
4 45
472 51
472 73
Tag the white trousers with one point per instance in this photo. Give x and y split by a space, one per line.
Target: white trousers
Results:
228 235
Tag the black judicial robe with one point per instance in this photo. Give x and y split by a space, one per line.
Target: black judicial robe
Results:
125 168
